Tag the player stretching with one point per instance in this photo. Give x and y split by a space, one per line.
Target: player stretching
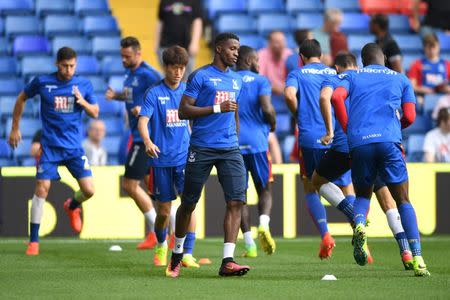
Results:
139 77
376 95
302 94
210 100
336 162
167 145
63 99
256 119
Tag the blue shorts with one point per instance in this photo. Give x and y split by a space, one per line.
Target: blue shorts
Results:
51 157
335 167
383 159
166 183
309 159
230 170
260 167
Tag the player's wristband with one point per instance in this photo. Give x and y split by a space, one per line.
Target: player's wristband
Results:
216 109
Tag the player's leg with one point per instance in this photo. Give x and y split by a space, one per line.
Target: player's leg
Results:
37 209
249 243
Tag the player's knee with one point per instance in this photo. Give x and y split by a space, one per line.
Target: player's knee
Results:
88 191
316 181
187 208
128 186
42 189
235 205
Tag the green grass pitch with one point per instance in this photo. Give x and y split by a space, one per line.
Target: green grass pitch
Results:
68 268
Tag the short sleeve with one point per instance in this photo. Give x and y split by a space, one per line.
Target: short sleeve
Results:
345 81
327 83
90 95
32 88
292 80
148 105
408 91
447 68
415 71
264 87
194 85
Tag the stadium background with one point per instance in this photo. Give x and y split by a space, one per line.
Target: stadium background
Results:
32 31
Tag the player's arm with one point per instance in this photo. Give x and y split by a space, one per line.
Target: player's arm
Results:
15 136
188 110
337 99
91 110
290 96
325 109
408 105
113 95
268 111
150 148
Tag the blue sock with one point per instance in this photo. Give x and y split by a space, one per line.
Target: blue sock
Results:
161 234
317 211
402 241
34 232
189 242
409 223
346 207
360 209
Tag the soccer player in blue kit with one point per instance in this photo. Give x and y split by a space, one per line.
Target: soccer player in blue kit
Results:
256 119
64 96
167 145
138 78
373 125
210 101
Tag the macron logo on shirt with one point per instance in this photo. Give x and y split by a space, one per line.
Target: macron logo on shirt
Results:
163 99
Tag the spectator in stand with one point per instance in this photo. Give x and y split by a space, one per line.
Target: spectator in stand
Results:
431 73
95 153
436 146
436 18
330 38
294 61
179 23
379 26
443 102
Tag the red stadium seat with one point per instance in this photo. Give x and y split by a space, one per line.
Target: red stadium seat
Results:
378 6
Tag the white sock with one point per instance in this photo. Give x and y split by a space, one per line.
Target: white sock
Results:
163 244
264 221
37 209
228 250
394 221
150 217
173 214
332 193
179 242
248 240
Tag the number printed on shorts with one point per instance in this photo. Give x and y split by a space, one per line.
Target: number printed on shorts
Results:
133 155
86 165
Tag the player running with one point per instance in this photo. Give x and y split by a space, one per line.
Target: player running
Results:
256 119
373 126
210 100
167 145
138 78
64 97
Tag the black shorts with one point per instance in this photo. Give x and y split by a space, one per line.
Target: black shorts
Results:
334 164
230 170
136 166
379 183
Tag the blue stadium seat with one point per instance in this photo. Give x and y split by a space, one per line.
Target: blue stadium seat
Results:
113 160
10 87
19 25
399 24
356 42
80 44
114 126
429 103
407 60
355 22
344 5
46 7
309 21
283 123
421 125
28 126
37 65
100 25
444 40
109 108
111 144
3 46
258 6
229 6
290 41
23 149
61 25
5 149
286 146
236 23
409 43
270 22
28 162
91 7
98 83
2 26
112 65
105 45
12 7
415 147
116 82
30 44
87 65
252 40
8 66
7 107
295 6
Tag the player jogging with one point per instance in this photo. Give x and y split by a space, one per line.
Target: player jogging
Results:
256 119
64 96
210 101
139 77
167 145
373 126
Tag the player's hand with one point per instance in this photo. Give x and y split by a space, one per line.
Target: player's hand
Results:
152 150
136 110
228 106
110 94
80 100
14 138
327 139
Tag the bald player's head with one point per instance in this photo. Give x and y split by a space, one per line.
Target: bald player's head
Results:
372 54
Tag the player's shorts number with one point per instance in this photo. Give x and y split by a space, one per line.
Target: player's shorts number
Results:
86 165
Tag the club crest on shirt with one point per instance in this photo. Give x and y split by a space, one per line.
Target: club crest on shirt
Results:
191 157
235 84
50 87
135 82
222 96
74 88
248 78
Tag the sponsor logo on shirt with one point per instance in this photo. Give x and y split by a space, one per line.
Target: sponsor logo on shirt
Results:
128 92
235 84
434 79
172 119
50 87
163 99
371 136
377 71
222 96
215 80
64 104
248 78
327 71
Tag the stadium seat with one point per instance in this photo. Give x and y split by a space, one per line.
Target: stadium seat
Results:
116 82
407 60
12 7
378 6
112 65
5 149
252 40
409 43
355 23
258 6
3 46
236 23
98 83
30 44
216 7
421 125
37 65
429 103
399 24
61 25
444 41
7 107
100 25
80 44
2 26
10 87
296 6
23 149
105 45
28 126
87 65
114 126
356 42
46 7
8 66
20 25
91 7
309 21
111 145
344 5
28 162
270 22
415 147
109 108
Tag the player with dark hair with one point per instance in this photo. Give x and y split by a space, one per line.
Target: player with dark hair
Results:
256 119
373 126
210 101
64 96
139 77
